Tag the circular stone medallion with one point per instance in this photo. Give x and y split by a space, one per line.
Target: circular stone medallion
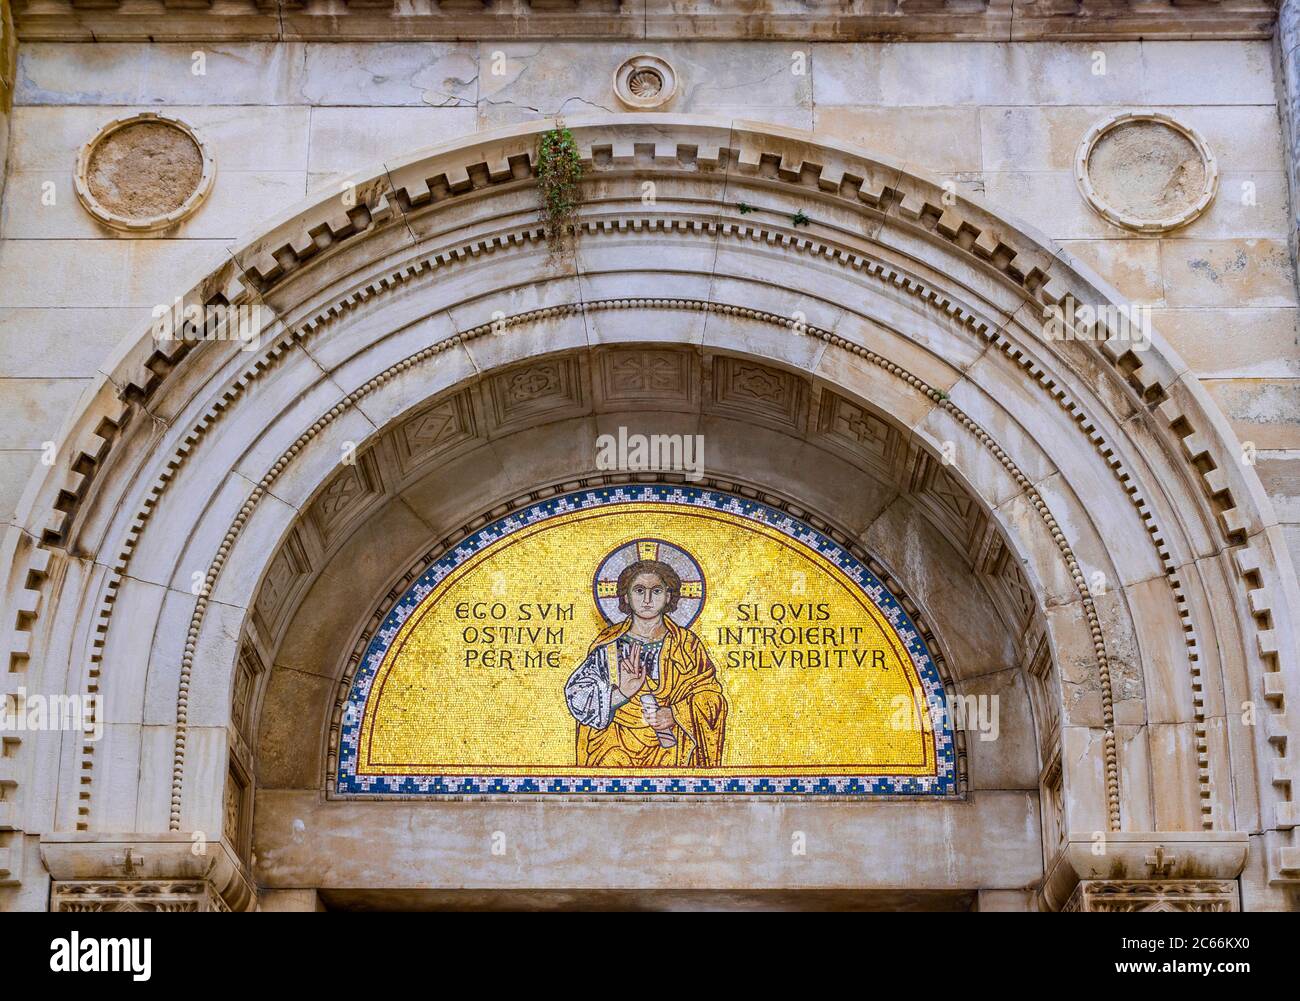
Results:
143 173
1146 172
645 81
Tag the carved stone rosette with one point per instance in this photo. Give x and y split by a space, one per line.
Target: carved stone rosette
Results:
157 895
1120 896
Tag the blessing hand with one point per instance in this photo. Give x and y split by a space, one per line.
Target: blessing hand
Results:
631 672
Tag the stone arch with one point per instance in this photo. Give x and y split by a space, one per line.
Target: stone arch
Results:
192 461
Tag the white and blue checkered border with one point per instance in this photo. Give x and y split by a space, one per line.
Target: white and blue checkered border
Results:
351 785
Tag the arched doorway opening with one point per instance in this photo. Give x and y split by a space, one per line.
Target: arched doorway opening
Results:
849 318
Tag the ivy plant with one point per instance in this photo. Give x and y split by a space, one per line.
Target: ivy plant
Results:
559 173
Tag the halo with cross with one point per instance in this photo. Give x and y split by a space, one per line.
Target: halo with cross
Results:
604 586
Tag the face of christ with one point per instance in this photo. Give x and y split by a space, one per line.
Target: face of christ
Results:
647 591
648 597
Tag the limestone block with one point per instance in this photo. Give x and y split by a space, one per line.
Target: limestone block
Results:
939 140
572 447
264 531
1049 200
407 388
289 900
63 343
317 457
670 326
976 641
295 714
126 652
975 463
113 73
1222 783
207 766
516 344
347 139
811 307
976 73
239 201
1227 273
1077 663
103 272
164 674
363 566
372 340
175 557
1243 138
1005 900
1112 544
1248 204
429 499
1209 72
748 78
1173 758
1132 266
794 347
1004 756
615 267
1279 471
1084 767
862 378
1045 565
1225 343
1265 412
34 410
1164 660
300 840
116 764
259 138
428 74
1135 776
16 467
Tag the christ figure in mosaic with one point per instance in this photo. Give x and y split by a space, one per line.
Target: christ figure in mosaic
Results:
647 694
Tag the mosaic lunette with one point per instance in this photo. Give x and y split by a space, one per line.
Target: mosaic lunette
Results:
514 666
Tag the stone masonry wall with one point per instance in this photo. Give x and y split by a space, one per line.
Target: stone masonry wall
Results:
1001 121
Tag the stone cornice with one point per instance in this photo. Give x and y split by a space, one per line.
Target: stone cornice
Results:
435 20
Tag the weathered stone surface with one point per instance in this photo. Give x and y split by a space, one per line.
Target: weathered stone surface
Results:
1063 464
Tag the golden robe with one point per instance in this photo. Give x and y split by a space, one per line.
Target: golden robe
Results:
687 684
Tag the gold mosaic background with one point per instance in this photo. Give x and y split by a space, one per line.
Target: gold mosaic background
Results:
474 682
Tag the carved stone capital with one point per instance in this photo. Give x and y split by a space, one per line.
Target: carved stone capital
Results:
135 895
144 872
1146 870
1154 895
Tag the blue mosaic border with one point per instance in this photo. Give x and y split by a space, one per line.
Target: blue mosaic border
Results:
351 785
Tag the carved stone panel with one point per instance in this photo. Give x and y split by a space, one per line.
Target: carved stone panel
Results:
435 432
543 391
630 378
746 389
865 438
161 895
1168 895
346 497
287 572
